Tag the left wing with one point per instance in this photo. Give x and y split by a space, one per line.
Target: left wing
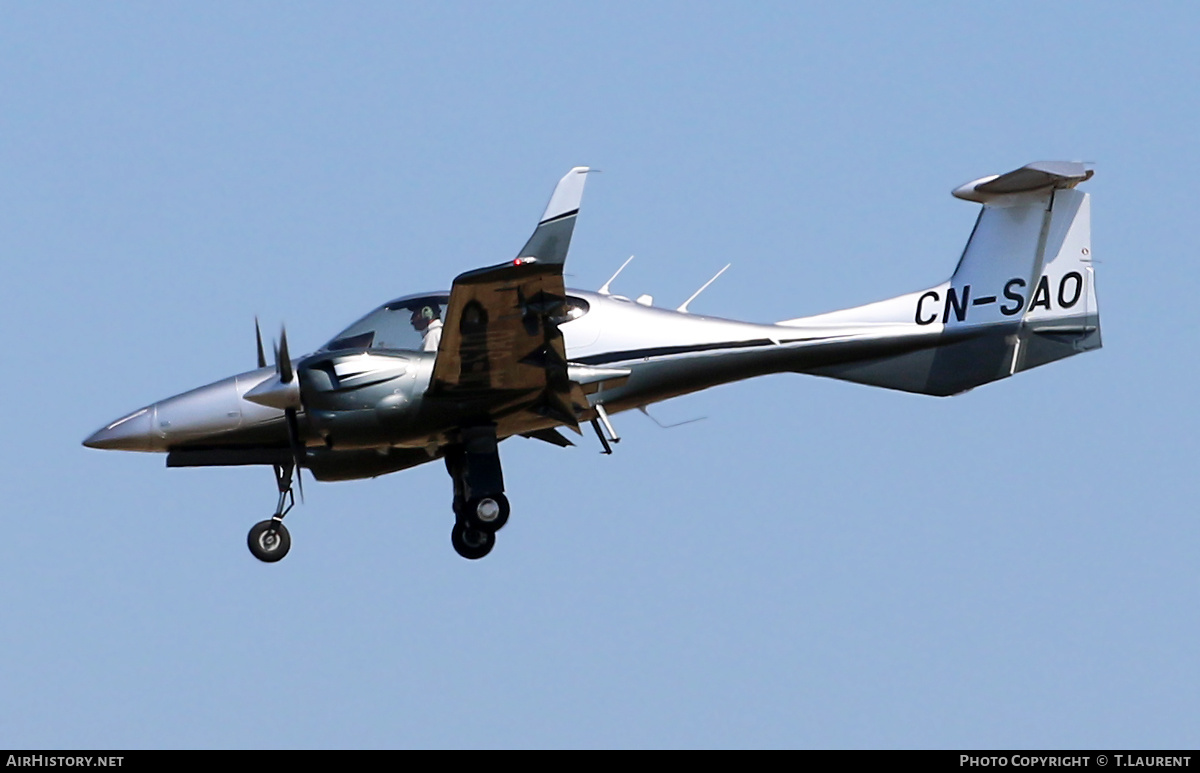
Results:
501 351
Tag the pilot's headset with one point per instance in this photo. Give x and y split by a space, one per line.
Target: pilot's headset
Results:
423 316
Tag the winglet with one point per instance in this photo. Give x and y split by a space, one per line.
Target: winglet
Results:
552 237
567 196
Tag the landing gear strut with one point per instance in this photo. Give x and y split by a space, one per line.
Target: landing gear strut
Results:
480 507
269 540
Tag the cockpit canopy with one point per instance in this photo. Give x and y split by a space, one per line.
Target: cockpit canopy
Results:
412 323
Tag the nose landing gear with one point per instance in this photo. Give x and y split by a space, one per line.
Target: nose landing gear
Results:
269 540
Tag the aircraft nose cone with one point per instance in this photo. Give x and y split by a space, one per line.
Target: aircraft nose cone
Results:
135 432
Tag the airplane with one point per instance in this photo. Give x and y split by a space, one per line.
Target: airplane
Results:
510 351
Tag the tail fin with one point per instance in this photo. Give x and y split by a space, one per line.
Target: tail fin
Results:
1023 293
1031 247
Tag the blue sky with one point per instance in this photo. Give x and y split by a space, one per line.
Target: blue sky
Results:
817 564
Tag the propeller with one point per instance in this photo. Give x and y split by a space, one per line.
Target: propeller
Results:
285 374
281 391
262 358
283 362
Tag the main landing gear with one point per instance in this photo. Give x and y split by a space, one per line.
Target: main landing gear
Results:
480 507
269 540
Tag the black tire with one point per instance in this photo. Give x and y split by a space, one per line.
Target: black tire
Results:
471 544
269 541
488 513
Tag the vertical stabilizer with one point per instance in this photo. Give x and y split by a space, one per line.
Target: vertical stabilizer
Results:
1023 293
1028 266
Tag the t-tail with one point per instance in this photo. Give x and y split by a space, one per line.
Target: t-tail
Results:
1023 294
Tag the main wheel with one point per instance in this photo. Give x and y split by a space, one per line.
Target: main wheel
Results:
488 513
269 540
471 543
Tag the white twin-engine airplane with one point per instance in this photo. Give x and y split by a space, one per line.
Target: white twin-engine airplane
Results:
509 351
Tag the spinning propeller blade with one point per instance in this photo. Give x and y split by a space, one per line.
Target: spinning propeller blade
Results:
283 369
283 362
262 358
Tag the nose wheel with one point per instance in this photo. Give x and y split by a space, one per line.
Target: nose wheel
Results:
269 540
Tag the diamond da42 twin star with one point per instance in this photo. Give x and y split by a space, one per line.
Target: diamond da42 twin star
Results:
510 351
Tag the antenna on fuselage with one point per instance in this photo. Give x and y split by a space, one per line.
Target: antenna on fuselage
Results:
684 307
604 290
642 408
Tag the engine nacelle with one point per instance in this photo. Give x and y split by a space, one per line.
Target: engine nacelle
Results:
364 399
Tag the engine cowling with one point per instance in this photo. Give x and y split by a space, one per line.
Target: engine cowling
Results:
364 399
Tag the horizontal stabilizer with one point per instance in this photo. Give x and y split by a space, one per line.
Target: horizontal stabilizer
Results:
1032 177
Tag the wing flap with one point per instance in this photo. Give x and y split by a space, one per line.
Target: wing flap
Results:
551 436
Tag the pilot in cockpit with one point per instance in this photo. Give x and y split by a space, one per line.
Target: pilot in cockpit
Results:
428 322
